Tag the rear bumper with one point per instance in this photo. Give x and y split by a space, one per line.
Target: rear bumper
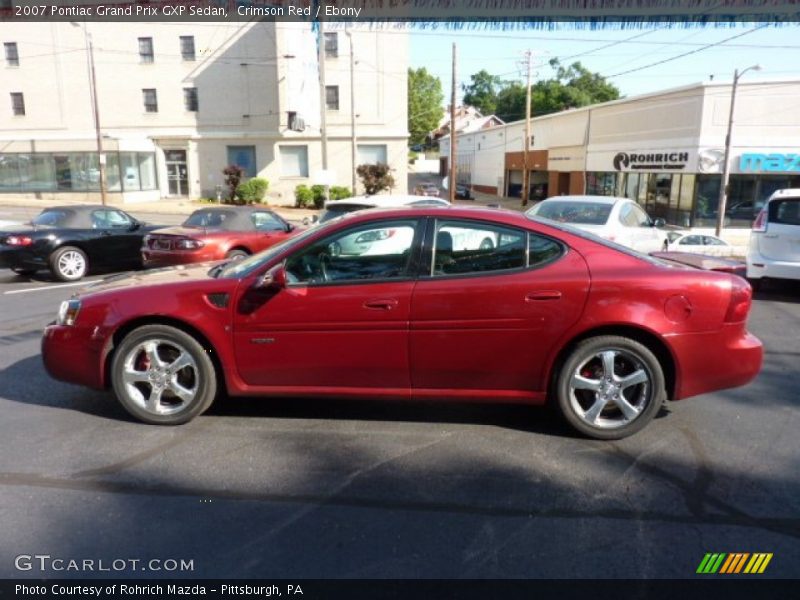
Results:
74 355
19 258
759 266
717 360
169 258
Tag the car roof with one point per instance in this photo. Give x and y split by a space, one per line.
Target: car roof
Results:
382 201
588 198
788 192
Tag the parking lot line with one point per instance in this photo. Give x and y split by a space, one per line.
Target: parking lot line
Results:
49 287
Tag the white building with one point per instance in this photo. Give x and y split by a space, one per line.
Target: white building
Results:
178 102
664 150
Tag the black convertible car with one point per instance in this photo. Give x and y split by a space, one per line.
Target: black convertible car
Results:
71 240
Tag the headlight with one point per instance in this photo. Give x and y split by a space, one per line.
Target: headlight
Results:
68 312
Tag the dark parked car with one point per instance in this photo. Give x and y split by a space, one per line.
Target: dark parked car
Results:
70 241
214 234
463 192
546 312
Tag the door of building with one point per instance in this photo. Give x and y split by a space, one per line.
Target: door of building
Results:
177 173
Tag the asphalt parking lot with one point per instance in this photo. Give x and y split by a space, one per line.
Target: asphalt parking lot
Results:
313 489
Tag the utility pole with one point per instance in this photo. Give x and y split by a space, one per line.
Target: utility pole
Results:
526 186
323 106
453 141
353 140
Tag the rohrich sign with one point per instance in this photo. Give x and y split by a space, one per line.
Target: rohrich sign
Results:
650 161
753 162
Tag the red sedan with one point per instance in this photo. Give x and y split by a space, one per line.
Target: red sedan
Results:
545 312
216 233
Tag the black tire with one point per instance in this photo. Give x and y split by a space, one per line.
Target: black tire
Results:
200 376
25 272
756 284
611 422
69 264
236 254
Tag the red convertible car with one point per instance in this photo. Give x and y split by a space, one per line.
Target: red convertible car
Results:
544 313
214 234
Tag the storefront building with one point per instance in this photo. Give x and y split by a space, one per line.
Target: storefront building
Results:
665 151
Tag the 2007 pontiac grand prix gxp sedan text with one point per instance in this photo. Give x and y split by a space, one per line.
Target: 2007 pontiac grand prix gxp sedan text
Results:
425 308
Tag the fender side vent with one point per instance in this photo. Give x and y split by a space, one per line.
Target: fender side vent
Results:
219 299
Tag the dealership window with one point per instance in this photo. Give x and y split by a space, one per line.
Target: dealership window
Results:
332 97
631 190
18 104
190 102
187 47
12 54
741 206
706 200
129 167
372 154
150 100
244 157
331 45
113 183
146 50
9 172
659 189
601 184
294 161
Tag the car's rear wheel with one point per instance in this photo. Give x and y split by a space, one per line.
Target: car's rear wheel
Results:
236 254
162 375
69 264
610 387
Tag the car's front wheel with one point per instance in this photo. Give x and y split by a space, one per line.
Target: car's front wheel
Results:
610 387
236 254
69 264
162 375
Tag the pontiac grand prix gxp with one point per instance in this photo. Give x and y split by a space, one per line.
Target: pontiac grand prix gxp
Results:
546 313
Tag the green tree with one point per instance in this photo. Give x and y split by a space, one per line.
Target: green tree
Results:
375 178
482 91
511 102
425 100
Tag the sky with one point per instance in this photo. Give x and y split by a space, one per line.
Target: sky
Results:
624 56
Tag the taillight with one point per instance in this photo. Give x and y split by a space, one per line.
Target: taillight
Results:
760 224
19 240
188 244
739 304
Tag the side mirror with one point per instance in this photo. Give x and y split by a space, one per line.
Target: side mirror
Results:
306 221
289 228
659 223
135 225
274 279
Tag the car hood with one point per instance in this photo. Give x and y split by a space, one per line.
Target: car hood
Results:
153 278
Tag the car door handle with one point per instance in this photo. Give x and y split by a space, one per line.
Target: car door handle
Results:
382 304
543 295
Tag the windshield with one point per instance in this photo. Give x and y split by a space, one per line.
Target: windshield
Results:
241 268
338 210
51 218
583 213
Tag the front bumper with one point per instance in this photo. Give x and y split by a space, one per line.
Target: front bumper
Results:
717 360
75 355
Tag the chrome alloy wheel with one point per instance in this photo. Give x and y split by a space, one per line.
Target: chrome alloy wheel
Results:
160 376
610 389
72 264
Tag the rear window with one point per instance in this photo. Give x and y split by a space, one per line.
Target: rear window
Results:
584 213
208 218
51 218
785 211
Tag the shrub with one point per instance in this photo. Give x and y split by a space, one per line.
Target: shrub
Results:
252 190
375 178
303 196
339 192
319 195
233 175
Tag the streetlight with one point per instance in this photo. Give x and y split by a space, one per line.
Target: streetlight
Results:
93 87
723 189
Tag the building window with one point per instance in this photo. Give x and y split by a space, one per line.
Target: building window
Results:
18 104
146 49
601 184
244 157
372 154
331 45
190 99
12 54
294 161
187 47
150 100
332 97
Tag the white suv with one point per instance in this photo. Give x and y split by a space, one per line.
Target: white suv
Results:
775 241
